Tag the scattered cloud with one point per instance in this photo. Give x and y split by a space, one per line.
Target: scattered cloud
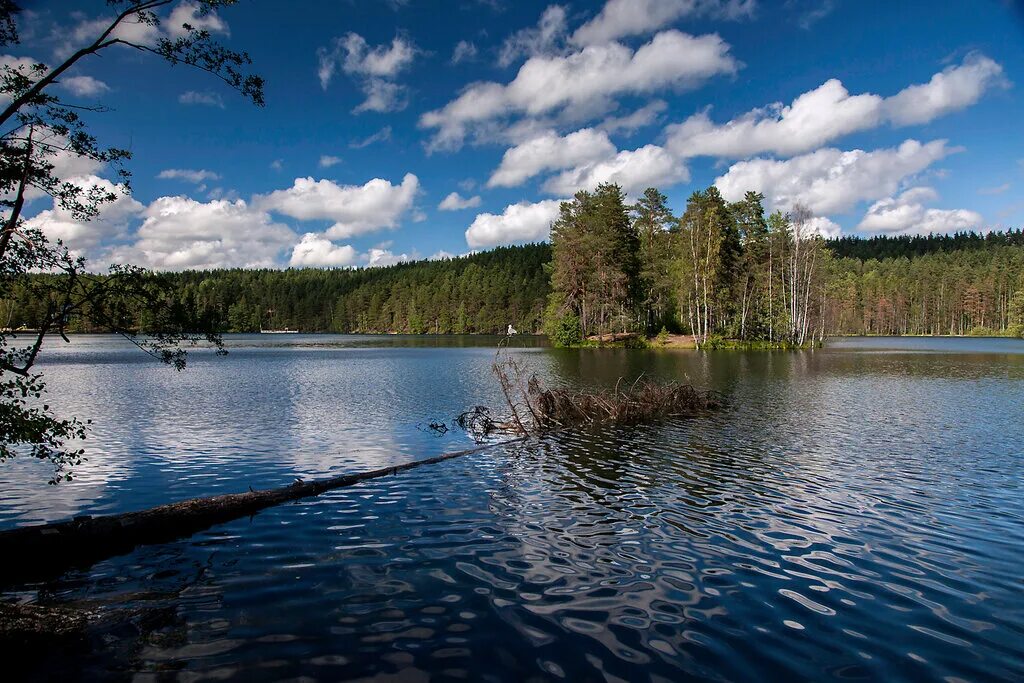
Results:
208 98
189 14
354 209
138 32
818 10
523 222
84 86
954 88
326 161
316 251
81 86
379 258
381 61
87 30
625 18
820 225
998 189
382 135
67 166
906 214
635 170
277 164
382 97
829 180
465 51
85 237
195 177
22 65
376 68
829 111
455 202
543 39
181 233
550 151
628 124
584 81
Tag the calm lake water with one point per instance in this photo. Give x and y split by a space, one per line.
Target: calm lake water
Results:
857 513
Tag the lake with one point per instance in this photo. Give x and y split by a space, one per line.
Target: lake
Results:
856 513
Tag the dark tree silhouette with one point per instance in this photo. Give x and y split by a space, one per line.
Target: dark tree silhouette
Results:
36 127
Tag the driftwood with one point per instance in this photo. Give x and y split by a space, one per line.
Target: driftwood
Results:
644 401
48 550
536 410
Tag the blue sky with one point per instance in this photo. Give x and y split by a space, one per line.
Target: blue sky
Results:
881 117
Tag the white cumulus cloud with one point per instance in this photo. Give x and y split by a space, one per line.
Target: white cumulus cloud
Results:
583 81
830 180
829 111
635 120
456 202
550 151
907 214
180 233
81 86
523 222
83 237
316 251
623 18
545 38
954 88
820 225
84 86
355 209
634 170
190 13
378 257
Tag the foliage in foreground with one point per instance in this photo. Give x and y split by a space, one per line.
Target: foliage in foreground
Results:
37 129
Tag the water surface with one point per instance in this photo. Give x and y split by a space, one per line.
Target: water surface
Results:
856 513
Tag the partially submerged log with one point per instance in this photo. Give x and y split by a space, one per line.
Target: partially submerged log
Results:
644 401
536 410
48 550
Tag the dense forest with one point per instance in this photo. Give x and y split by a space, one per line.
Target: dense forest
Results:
910 246
726 270
481 293
719 270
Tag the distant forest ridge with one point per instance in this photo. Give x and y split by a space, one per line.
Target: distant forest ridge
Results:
935 284
909 246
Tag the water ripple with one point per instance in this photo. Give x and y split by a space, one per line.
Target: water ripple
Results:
853 516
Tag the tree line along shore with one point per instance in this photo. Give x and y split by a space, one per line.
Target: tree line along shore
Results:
719 272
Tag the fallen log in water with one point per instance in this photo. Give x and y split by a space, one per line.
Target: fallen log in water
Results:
44 551
536 410
48 550
644 401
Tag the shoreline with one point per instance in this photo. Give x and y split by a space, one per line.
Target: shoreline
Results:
673 341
